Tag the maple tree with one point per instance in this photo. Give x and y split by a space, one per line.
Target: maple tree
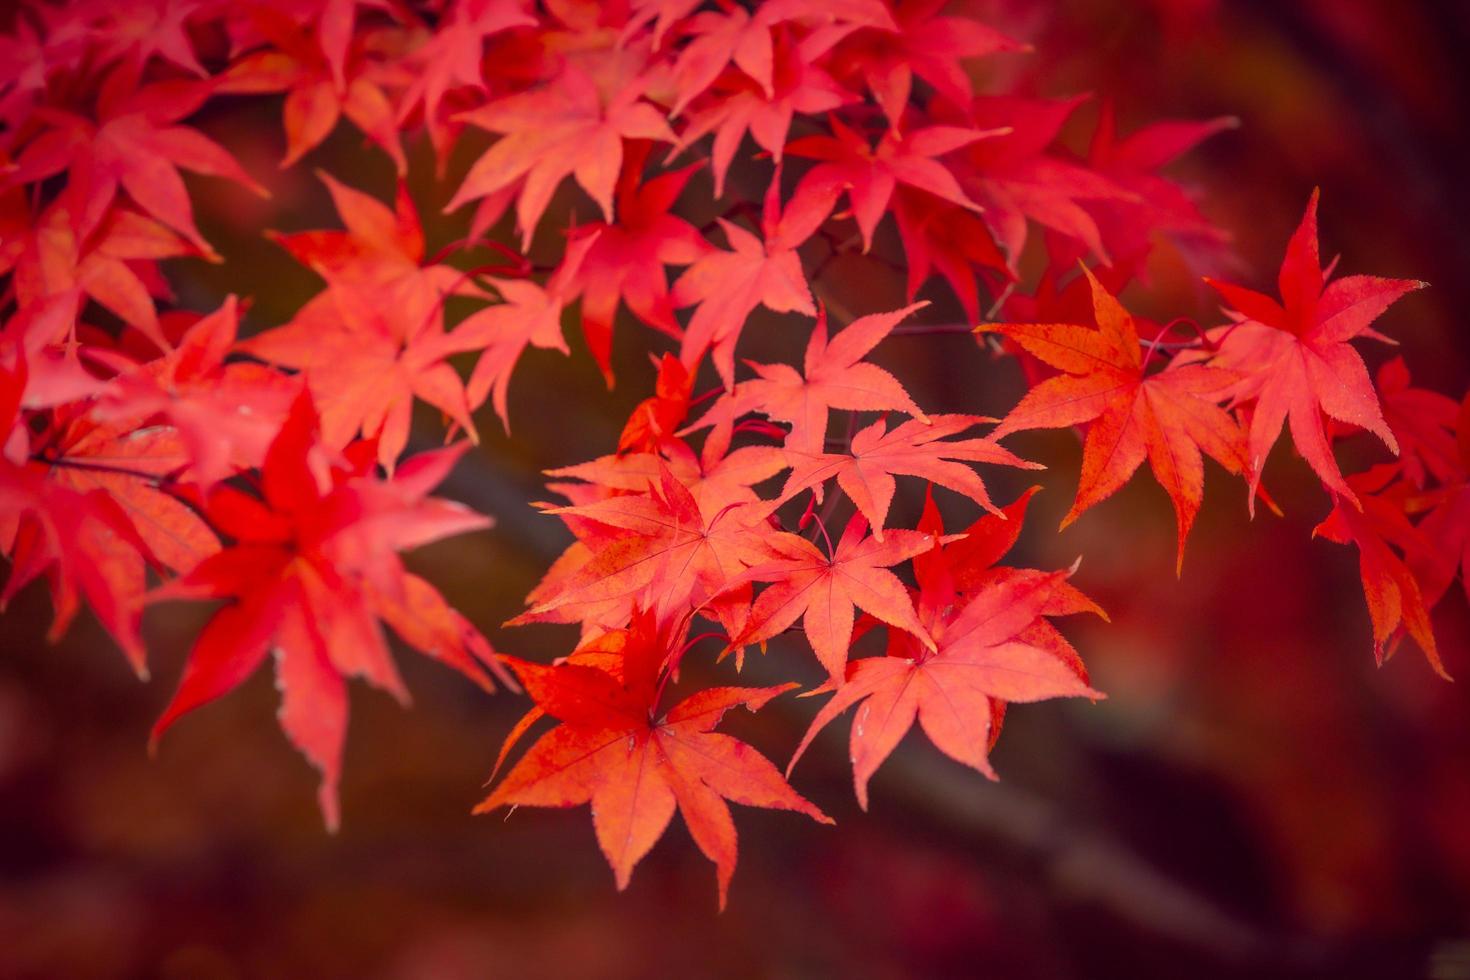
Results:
149 453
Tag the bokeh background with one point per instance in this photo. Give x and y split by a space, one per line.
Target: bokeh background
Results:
1255 798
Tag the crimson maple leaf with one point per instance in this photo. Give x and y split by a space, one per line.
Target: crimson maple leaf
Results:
1168 417
1423 423
84 542
112 265
836 376
659 548
134 145
614 749
1129 226
869 175
627 260
321 87
1295 357
312 568
1015 176
374 340
224 414
451 59
956 243
989 644
1447 525
1375 522
566 128
655 419
914 39
738 104
530 316
729 285
866 470
823 590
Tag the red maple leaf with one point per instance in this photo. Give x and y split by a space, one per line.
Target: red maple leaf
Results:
1016 176
565 128
312 568
729 285
866 470
614 749
824 590
134 145
321 86
530 316
112 265
1423 423
869 175
1374 521
658 548
374 340
738 104
451 59
1446 528
627 260
656 418
956 243
225 414
914 39
1295 359
1167 417
991 644
836 376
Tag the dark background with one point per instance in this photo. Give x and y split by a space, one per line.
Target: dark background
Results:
1255 797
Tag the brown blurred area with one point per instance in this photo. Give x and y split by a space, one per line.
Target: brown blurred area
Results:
1255 798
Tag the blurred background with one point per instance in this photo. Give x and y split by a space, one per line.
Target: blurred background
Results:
1254 798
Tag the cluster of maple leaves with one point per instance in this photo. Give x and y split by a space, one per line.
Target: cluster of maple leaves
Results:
268 472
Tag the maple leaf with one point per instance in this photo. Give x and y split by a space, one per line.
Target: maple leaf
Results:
1447 525
366 366
320 88
937 236
989 644
660 548
133 466
724 37
614 750
869 175
84 543
738 104
1374 521
451 59
1014 176
655 419
142 30
312 568
1295 357
110 265
915 40
134 145
1156 205
627 260
715 477
374 340
836 376
1423 423
225 415
729 285
823 590
565 128
530 316
866 470
1167 417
